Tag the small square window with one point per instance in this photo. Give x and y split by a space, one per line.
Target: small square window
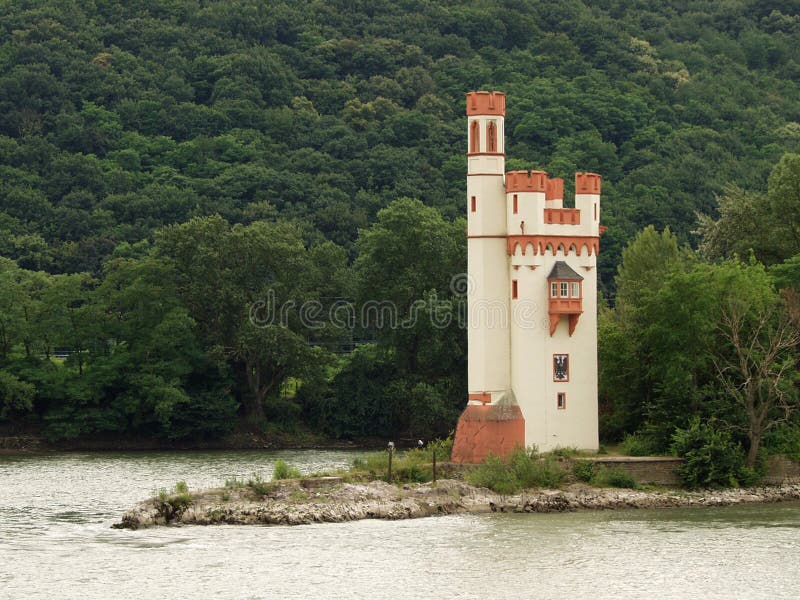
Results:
562 400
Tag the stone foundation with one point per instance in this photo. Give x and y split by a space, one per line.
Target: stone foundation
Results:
488 428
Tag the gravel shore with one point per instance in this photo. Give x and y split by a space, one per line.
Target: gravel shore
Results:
329 500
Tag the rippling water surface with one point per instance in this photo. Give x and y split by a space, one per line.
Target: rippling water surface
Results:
56 542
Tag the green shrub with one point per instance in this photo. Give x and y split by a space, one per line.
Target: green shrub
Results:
566 452
584 470
172 505
615 477
784 439
638 444
531 470
711 457
283 471
494 474
412 473
524 469
260 487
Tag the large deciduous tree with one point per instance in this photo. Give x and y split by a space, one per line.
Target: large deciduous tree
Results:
246 287
760 373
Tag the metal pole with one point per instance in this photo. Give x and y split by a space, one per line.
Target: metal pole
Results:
391 452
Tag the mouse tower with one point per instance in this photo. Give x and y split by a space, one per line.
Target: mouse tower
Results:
531 301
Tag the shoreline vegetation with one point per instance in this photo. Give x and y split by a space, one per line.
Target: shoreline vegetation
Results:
524 482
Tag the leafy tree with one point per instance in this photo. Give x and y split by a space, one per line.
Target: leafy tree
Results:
760 376
784 198
410 253
16 396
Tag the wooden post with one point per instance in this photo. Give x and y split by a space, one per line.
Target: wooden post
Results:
391 452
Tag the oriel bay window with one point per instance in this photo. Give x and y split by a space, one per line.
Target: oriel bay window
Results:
566 291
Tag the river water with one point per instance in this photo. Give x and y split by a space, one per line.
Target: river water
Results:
56 542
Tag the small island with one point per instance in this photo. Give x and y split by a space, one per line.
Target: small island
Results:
526 483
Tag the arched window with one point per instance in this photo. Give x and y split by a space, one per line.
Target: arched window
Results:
475 137
491 137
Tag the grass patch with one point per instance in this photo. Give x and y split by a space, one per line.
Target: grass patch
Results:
637 444
614 477
171 504
408 466
584 470
284 471
260 487
523 469
234 484
567 452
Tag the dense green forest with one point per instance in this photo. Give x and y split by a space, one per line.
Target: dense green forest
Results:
165 166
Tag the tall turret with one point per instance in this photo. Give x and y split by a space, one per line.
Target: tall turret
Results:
487 298
492 416
532 330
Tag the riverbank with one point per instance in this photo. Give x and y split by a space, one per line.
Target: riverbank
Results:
331 500
245 440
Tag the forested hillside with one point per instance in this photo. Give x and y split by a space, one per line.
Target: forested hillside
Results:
163 165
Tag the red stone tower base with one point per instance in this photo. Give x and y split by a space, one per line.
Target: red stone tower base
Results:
495 428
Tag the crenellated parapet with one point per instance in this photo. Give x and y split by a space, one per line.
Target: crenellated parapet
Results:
535 205
526 181
587 183
486 103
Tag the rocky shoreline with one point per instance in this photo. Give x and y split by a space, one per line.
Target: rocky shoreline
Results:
330 500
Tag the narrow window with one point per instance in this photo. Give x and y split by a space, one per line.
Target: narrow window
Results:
564 289
561 402
576 289
554 290
491 137
475 137
595 211
516 204
514 289
474 204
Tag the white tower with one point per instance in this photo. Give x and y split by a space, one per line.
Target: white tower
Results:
532 301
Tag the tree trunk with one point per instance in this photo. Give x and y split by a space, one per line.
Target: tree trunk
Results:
755 445
252 401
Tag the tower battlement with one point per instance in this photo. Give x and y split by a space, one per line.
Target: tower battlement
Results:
486 103
587 183
554 189
526 181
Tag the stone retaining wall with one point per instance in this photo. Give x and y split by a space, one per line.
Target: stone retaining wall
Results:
782 470
662 470
659 470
